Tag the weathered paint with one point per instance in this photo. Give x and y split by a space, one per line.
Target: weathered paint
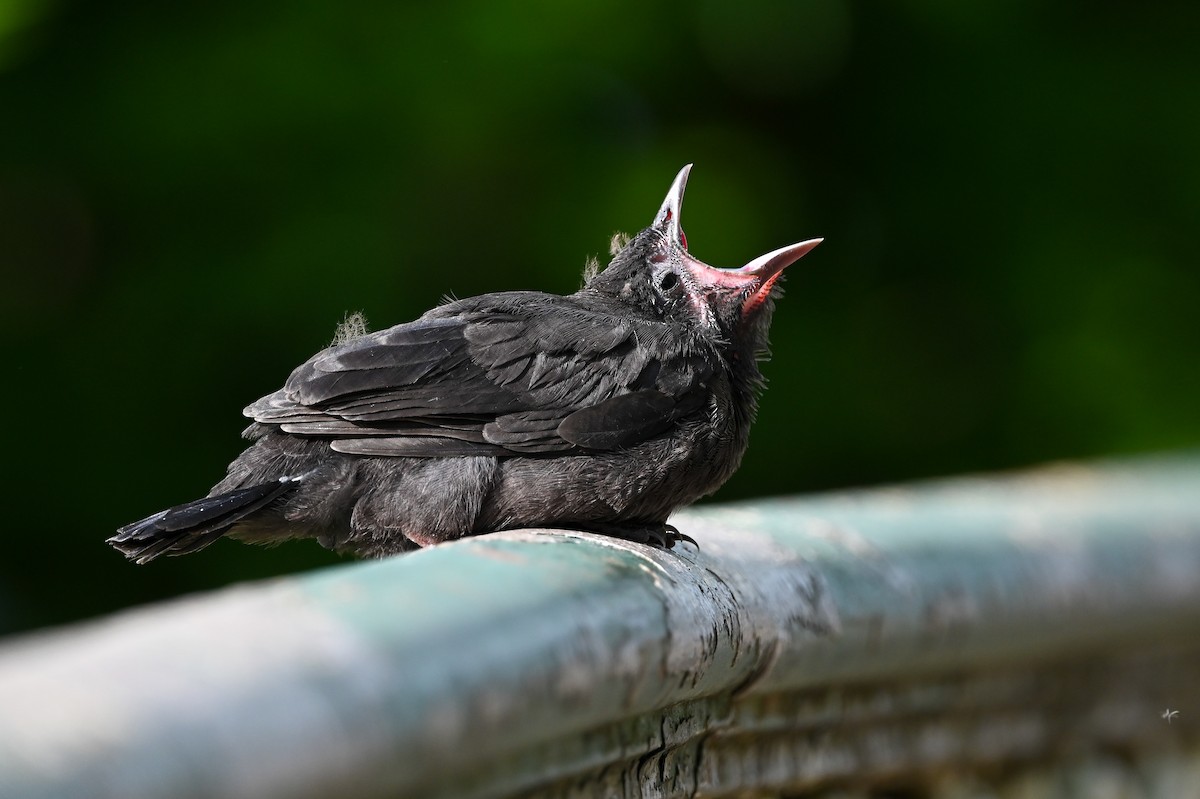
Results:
589 666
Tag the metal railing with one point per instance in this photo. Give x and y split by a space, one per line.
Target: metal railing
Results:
916 637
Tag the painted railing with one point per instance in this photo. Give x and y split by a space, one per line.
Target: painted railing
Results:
990 631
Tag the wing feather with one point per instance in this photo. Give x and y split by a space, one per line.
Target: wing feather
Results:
507 374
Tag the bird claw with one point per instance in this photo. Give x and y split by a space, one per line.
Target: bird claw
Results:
664 536
669 536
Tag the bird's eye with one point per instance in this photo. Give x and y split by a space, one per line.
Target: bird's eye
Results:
668 281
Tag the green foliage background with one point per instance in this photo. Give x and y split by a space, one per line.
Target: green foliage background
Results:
192 195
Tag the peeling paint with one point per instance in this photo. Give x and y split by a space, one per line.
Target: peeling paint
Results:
822 641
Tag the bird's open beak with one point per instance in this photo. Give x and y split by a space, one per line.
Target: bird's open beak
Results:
755 279
667 219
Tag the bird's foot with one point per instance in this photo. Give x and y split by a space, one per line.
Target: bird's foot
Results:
663 536
670 536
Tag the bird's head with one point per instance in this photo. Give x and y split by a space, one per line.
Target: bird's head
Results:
655 272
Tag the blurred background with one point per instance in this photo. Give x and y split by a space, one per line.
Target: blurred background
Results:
192 195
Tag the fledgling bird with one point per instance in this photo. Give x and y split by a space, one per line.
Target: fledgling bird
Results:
605 410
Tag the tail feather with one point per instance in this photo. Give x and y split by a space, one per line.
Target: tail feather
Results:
194 525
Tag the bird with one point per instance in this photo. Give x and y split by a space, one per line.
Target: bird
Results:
605 410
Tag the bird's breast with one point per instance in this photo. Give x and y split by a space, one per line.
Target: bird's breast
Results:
644 482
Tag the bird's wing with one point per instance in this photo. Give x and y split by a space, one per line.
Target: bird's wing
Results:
519 374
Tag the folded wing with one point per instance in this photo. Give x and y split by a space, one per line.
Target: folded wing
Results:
511 374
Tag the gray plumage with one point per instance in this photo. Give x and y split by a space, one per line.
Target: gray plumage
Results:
604 410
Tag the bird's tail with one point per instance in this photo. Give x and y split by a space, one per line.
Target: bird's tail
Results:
194 525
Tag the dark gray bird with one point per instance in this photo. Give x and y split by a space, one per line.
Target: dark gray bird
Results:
604 410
